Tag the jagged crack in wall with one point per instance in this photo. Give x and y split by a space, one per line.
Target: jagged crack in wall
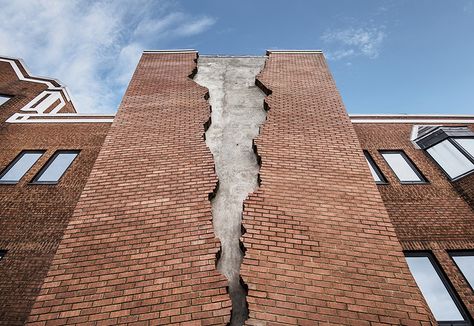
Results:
237 113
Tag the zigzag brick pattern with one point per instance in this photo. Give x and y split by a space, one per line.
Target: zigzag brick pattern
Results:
320 245
140 249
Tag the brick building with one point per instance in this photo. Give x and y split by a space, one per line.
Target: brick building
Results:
230 190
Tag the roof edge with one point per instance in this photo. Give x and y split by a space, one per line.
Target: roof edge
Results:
30 75
308 51
389 115
171 51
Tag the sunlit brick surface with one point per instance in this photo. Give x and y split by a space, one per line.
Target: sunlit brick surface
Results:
435 216
320 245
34 217
141 248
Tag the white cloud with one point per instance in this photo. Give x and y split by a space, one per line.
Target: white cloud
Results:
353 42
91 46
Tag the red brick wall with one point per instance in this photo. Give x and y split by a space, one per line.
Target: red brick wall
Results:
320 245
22 91
430 216
141 248
33 217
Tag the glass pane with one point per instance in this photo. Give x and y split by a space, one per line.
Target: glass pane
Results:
467 144
433 289
401 167
3 99
58 166
20 167
372 170
466 265
450 159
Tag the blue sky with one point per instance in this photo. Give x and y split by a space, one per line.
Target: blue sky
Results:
387 56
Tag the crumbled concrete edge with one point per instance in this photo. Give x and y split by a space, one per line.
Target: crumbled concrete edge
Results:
239 115
212 194
259 83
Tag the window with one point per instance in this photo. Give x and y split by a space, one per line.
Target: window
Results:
465 262
55 167
374 169
403 167
450 159
2 253
467 144
4 99
452 148
436 290
20 165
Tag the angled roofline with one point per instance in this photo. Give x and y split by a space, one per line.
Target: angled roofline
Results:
18 63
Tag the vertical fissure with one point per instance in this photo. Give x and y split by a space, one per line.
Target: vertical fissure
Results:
237 113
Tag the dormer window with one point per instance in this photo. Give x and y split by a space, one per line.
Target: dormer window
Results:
451 147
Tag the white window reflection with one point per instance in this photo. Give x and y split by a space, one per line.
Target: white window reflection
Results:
56 167
404 171
4 99
467 144
466 265
450 159
20 166
372 171
433 289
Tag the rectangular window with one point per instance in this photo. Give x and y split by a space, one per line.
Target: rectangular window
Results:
4 99
55 167
403 167
19 166
450 159
467 144
374 169
2 253
465 262
436 290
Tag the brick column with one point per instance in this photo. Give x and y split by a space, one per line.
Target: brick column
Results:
141 248
320 245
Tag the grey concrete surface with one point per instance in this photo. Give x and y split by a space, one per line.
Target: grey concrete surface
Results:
237 113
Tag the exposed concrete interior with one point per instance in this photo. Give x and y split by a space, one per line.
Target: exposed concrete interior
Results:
237 113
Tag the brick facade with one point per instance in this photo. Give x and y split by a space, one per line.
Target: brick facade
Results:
320 245
33 217
140 248
126 236
435 216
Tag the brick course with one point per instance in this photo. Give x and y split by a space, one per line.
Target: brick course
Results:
432 217
320 245
33 217
140 248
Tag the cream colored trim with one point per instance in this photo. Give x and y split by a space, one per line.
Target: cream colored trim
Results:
61 118
34 79
294 51
387 115
171 51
